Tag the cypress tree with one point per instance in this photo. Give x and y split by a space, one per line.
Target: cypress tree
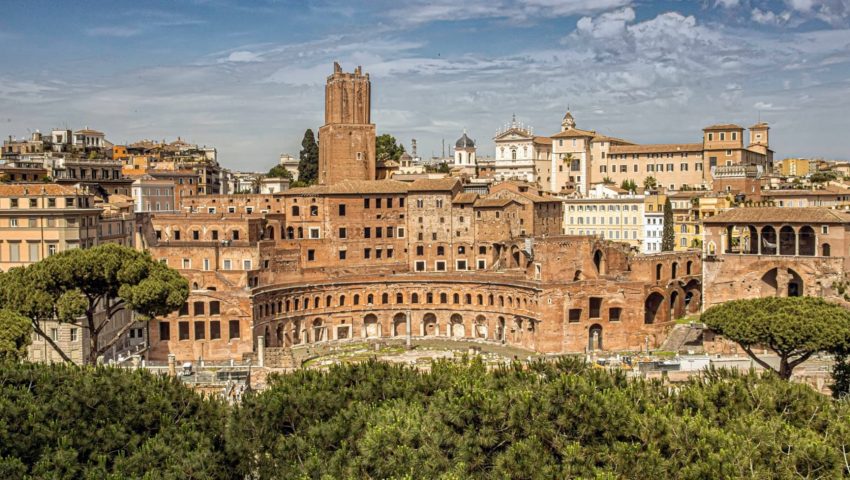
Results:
308 166
668 241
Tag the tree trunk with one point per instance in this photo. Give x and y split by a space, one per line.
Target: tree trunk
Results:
93 338
785 369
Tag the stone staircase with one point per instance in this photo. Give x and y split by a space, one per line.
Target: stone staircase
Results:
683 338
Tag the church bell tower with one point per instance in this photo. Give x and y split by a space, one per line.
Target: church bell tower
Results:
347 139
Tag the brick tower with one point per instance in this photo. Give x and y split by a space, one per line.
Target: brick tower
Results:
347 139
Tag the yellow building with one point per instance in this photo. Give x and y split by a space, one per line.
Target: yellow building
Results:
794 167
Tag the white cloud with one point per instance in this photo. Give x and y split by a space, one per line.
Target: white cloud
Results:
243 56
727 3
423 11
767 17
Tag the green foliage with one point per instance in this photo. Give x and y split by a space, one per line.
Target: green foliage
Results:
15 336
386 148
607 180
73 286
795 328
547 420
668 237
841 370
60 421
439 168
308 164
461 420
628 185
650 183
823 177
279 171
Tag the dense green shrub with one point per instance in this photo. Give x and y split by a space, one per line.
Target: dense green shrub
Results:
563 419
66 422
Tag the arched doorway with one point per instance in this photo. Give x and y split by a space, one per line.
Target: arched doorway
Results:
807 241
594 337
825 250
371 326
480 327
675 308
500 330
319 331
768 241
457 328
399 325
693 296
652 308
674 270
787 240
781 282
429 325
752 241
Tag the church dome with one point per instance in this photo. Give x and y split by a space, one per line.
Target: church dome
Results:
464 142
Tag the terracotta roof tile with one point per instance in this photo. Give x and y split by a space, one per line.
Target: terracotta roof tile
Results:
543 140
723 126
35 189
465 197
493 202
574 132
810 215
433 184
350 187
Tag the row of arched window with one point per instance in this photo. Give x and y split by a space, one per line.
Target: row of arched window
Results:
305 303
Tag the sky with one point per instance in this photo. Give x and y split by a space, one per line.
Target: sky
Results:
248 76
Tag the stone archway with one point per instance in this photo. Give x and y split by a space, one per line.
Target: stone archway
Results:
456 326
481 327
319 330
371 327
787 240
769 243
500 330
399 325
807 241
429 325
676 305
693 296
782 282
653 311
594 337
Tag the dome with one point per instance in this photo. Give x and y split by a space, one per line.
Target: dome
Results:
464 142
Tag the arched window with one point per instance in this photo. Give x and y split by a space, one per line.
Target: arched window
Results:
429 297
385 298
513 154
414 298
456 298
356 299
316 302
341 300
469 299
658 271
328 301
688 267
399 297
480 299
370 299
287 305
501 301
444 298
490 299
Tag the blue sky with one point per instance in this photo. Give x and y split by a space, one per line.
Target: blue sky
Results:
248 76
